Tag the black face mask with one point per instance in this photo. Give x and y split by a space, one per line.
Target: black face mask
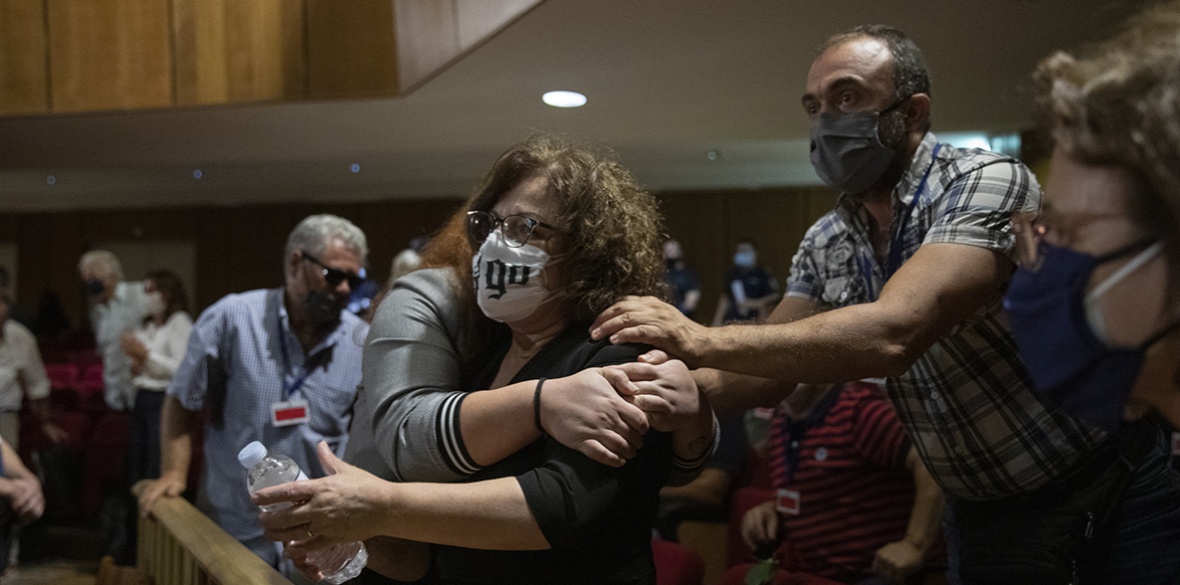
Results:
94 287
848 151
322 308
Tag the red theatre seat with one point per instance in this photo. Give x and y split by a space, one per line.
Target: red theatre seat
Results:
676 564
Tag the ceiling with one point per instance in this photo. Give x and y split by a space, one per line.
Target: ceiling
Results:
693 94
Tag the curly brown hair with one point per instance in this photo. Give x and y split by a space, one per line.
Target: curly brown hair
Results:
1117 102
609 230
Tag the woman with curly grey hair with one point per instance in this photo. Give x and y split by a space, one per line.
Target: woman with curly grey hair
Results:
1095 306
554 234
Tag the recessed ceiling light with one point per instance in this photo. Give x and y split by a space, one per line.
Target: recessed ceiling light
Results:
197 174
564 99
354 167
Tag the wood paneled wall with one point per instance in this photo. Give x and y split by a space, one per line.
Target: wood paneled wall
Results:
709 225
24 88
62 56
231 51
240 248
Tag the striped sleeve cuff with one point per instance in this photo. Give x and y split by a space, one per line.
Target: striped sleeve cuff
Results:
680 464
450 440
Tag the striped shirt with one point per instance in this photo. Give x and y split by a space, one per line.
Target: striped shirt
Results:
967 403
235 366
855 492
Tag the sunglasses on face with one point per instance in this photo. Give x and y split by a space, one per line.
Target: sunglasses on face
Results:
335 276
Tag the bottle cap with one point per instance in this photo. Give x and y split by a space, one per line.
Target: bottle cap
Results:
251 454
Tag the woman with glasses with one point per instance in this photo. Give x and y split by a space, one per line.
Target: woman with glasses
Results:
1095 305
554 235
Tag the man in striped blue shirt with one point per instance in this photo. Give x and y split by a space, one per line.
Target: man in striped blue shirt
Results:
280 366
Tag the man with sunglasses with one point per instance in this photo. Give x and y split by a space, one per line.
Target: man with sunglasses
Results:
904 281
280 366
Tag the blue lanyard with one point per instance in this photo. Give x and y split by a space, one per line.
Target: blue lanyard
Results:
298 383
893 260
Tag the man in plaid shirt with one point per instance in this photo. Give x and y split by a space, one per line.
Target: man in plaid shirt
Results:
903 280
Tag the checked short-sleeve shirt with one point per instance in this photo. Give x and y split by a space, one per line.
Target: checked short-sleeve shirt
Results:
967 403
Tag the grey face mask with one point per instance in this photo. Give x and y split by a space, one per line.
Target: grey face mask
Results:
847 152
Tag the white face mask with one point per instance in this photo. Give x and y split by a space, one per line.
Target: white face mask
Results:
154 303
508 282
1094 313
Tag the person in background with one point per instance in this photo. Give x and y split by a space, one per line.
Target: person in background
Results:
22 375
403 263
706 497
280 366
750 291
21 501
115 307
16 311
682 281
854 503
51 322
1095 305
155 350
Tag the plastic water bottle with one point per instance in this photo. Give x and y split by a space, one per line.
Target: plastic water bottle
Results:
339 563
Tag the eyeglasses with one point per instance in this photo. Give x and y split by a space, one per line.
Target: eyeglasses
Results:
1032 229
516 228
335 276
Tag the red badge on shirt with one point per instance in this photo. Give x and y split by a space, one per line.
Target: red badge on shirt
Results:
787 502
289 412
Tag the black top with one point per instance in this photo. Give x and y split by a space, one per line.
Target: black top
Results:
596 518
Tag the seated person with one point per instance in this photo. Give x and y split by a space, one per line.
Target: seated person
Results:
707 496
854 504
555 235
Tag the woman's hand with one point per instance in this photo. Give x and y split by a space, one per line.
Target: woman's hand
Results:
347 505
586 413
663 389
136 351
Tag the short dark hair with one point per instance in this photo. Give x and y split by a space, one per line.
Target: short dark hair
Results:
910 73
171 288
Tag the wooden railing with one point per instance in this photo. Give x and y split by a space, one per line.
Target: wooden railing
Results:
178 545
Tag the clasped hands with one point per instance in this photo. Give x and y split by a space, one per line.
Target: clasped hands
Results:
604 412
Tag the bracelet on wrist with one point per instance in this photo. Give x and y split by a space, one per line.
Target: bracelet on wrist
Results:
537 406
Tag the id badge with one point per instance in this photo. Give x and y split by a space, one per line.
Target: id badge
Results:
787 502
289 412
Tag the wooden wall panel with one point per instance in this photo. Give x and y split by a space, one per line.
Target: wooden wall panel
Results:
477 20
427 39
697 221
23 88
90 72
709 225
351 49
229 51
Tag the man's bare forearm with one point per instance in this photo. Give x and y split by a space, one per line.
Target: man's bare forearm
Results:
176 431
